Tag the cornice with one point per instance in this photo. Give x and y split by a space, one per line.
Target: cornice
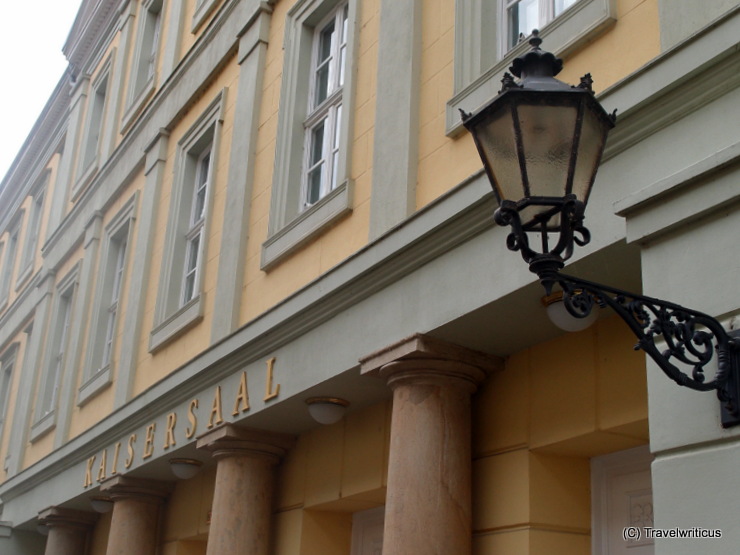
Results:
674 84
93 18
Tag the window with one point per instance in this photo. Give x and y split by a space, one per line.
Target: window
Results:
311 187
115 295
106 307
6 381
9 263
180 299
522 16
33 229
95 123
482 56
325 108
144 68
194 236
57 342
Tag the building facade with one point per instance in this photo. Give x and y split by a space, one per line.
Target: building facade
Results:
230 211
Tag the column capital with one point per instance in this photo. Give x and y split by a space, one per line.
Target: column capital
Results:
140 489
67 518
228 440
423 359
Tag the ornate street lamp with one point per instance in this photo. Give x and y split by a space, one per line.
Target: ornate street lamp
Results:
541 142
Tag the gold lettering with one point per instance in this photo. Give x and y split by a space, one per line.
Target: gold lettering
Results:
271 393
113 469
130 448
88 472
192 418
216 409
103 464
242 397
169 436
149 441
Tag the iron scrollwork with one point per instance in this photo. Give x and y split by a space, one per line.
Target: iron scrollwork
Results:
690 338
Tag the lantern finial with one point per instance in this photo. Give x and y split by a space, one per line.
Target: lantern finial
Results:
537 62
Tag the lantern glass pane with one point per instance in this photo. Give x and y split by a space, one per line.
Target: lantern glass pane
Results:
590 147
497 144
547 137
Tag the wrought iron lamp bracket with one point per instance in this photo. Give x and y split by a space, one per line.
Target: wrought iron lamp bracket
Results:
690 338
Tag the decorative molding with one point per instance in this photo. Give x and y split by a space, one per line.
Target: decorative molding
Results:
308 225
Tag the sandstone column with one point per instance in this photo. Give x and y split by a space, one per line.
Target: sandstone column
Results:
428 502
135 522
68 530
242 500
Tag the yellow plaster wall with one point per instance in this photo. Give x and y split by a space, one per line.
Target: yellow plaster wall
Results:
153 367
287 527
631 43
444 162
331 472
536 426
342 467
187 512
100 533
263 290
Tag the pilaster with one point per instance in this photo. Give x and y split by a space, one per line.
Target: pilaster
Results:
156 156
231 262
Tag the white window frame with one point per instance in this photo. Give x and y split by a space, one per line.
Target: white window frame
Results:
194 238
105 320
96 123
7 367
143 77
11 252
327 112
481 56
173 313
33 230
57 355
291 222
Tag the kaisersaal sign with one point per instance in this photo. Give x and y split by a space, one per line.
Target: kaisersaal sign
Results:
141 446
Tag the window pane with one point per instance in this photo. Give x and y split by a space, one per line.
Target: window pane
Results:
193 248
317 143
324 64
322 83
315 177
191 266
201 186
325 41
523 17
